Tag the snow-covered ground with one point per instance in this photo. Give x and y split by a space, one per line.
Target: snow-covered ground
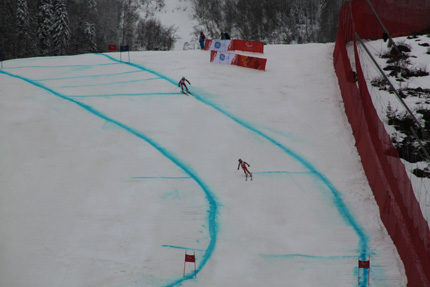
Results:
109 174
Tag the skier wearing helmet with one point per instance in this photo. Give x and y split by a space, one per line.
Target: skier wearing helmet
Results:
243 164
182 84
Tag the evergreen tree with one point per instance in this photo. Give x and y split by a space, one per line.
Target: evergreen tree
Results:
108 23
83 19
329 20
90 36
60 28
129 20
45 19
7 31
22 28
90 26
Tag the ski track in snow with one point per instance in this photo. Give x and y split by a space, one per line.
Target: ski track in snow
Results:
212 201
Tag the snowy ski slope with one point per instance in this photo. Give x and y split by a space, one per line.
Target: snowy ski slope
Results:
109 174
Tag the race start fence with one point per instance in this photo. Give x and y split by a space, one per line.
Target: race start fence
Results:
399 209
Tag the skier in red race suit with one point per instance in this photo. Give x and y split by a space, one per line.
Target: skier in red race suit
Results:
182 84
243 164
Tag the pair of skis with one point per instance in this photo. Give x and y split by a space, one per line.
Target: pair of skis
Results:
246 176
186 93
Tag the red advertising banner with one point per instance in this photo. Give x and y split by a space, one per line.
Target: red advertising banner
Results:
238 60
208 43
248 46
112 48
213 56
234 45
251 62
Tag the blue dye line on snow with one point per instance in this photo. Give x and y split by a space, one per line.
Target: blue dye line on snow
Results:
282 172
110 83
142 68
180 247
213 204
88 76
123 95
61 66
289 256
337 199
160 177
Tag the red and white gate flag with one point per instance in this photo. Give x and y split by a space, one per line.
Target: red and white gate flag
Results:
190 258
364 264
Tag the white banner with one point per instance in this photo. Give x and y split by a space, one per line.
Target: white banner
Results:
222 57
219 45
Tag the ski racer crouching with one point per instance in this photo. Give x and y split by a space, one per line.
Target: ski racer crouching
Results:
182 84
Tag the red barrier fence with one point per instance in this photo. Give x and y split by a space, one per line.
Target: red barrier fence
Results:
400 17
399 208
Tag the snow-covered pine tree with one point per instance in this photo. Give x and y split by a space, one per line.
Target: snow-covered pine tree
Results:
83 18
90 25
91 36
45 19
129 20
60 28
22 28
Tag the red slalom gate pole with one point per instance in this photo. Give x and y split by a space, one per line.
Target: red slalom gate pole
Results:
192 259
364 265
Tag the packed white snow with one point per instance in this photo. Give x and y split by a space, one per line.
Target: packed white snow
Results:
109 174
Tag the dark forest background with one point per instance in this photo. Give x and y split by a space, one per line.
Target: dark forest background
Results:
66 27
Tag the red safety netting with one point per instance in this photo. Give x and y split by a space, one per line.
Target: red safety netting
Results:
399 208
399 17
